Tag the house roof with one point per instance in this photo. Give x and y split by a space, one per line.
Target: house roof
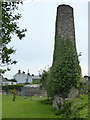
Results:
32 86
35 77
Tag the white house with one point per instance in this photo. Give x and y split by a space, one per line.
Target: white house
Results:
23 77
87 79
4 81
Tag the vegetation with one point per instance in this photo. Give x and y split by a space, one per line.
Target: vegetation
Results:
36 81
75 108
11 87
65 71
38 107
24 107
14 94
9 29
44 75
43 79
62 76
27 83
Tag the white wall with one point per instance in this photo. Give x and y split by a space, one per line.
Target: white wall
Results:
21 78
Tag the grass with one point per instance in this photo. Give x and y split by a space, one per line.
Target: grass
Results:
38 107
75 108
80 107
24 107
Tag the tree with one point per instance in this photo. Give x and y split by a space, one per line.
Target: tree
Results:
14 94
9 28
44 75
65 71
43 79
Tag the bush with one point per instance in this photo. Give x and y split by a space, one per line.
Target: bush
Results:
27 83
47 101
11 87
76 108
59 111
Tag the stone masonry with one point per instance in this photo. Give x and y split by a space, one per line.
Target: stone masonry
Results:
65 28
65 22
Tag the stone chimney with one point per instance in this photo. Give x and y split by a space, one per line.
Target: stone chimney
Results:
19 71
65 22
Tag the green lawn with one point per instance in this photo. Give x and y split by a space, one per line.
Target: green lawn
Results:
24 107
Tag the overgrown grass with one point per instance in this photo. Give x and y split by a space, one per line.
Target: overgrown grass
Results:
75 108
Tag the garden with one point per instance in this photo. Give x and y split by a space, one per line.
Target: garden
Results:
26 107
40 107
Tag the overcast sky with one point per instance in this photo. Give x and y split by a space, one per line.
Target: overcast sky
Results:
35 51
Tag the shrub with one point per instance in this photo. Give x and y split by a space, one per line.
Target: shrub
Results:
14 94
11 87
27 83
44 76
47 101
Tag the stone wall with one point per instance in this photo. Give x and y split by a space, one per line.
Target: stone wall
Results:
58 101
65 22
74 93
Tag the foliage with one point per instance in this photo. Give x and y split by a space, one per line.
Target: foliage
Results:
14 94
46 101
74 108
11 87
44 76
27 83
9 28
65 71
13 91
36 81
82 86
79 107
